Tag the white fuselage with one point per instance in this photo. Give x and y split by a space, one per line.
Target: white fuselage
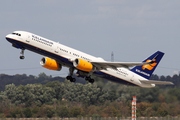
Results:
64 55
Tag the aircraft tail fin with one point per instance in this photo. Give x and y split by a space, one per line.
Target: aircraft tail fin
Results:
147 70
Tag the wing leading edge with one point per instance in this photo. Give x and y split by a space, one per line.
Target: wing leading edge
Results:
115 65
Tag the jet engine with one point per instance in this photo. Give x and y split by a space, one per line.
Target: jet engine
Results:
50 64
82 65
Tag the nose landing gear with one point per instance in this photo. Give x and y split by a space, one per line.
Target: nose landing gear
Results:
22 56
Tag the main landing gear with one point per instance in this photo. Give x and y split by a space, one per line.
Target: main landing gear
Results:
74 79
69 77
88 78
22 52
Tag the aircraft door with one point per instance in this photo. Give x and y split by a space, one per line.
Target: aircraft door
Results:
56 50
27 39
132 78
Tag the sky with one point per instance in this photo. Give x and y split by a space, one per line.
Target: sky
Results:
131 29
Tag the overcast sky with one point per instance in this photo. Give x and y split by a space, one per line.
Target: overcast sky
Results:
132 29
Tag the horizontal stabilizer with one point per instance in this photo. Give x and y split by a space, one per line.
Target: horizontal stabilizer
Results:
156 82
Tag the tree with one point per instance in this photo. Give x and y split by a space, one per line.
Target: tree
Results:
149 95
112 95
10 91
162 112
75 111
174 92
15 112
88 93
154 77
35 109
163 109
63 112
58 87
31 93
27 112
50 111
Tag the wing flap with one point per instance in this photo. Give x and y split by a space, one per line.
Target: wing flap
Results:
156 82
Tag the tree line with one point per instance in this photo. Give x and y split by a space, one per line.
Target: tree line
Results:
62 98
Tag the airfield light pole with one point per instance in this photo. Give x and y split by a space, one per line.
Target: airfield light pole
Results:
134 108
112 57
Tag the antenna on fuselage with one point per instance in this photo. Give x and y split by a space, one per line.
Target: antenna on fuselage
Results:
112 57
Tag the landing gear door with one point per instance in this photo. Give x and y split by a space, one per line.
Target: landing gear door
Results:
27 39
56 48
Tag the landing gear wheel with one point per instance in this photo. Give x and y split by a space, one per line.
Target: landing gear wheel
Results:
21 57
89 79
68 77
71 78
22 52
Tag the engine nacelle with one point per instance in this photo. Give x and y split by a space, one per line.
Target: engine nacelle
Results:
50 64
82 65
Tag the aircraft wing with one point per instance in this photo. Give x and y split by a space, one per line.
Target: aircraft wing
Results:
115 65
156 82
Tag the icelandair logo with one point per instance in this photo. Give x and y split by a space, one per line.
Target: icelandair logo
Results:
149 66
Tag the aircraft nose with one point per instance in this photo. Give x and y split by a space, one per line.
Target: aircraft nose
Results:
8 37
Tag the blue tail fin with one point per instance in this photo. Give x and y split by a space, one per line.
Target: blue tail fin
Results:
147 70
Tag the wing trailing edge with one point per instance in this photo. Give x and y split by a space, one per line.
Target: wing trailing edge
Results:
156 82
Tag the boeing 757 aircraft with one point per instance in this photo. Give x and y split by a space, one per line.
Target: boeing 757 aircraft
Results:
58 55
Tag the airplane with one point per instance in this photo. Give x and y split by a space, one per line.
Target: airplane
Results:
58 55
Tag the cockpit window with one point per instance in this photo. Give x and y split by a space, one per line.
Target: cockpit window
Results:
16 34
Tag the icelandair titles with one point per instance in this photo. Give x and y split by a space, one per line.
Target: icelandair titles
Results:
139 71
38 38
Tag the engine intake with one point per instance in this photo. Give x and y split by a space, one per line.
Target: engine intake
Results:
50 64
82 65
